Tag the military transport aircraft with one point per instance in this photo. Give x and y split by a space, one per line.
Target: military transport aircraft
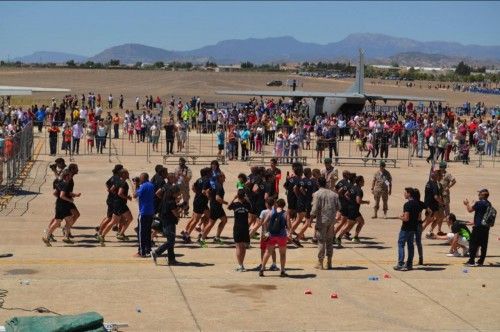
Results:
349 102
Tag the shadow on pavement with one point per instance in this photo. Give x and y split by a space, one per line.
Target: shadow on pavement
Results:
430 268
190 264
302 276
349 268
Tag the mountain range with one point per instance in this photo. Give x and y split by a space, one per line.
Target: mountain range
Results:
378 48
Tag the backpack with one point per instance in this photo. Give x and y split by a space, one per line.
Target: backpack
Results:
275 223
489 216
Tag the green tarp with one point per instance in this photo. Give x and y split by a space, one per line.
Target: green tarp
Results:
87 322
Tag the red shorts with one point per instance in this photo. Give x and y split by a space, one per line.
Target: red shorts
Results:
280 241
263 244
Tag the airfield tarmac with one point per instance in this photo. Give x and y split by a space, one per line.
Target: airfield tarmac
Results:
205 293
186 84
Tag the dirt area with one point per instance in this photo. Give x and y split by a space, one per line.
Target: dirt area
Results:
132 83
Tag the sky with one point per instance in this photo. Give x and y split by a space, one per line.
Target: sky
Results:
87 28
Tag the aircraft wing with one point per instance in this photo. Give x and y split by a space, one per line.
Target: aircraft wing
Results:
374 96
26 90
284 93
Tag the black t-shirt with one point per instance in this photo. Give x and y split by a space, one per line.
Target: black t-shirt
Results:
240 213
290 183
109 184
354 192
270 189
414 208
306 189
166 211
258 198
122 184
169 131
218 191
199 186
342 188
431 190
71 185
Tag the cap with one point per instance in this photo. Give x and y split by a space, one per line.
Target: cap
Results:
382 163
182 160
443 164
328 160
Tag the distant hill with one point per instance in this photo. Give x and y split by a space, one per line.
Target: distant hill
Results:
132 53
378 47
55 57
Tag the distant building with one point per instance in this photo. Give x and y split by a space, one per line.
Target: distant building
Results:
228 68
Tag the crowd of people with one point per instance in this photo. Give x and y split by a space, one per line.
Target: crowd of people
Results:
312 198
285 125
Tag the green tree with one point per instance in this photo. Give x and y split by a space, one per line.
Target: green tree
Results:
462 69
114 62
71 63
159 64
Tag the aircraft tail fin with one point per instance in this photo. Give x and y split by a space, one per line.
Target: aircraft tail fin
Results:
358 86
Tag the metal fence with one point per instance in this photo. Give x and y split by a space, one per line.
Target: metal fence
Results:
15 152
203 143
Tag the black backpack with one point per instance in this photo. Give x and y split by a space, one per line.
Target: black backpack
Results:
275 223
489 216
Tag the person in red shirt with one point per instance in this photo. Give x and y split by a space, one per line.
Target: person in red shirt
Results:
472 129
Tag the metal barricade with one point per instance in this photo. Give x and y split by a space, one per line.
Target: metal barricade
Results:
15 152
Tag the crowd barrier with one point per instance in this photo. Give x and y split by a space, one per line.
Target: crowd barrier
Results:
15 152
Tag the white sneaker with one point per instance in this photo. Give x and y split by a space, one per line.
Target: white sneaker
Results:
240 268
455 254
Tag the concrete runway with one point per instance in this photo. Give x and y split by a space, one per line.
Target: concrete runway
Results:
205 293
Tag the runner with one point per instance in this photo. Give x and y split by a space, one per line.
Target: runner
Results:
121 212
290 184
216 211
62 209
262 223
200 187
277 226
355 199
241 232
111 189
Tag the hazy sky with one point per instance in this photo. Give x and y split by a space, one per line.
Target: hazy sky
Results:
86 28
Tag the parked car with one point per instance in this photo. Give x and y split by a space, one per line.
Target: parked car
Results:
274 83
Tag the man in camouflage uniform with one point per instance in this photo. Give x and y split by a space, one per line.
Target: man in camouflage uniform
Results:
381 188
330 174
447 181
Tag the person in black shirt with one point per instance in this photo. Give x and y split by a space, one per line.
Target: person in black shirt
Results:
256 193
384 144
62 210
433 200
410 218
418 234
111 189
309 185
341 188
290 184
75 214
303 191
354 198
121 213
169 136
201 188
241 230
158 181
169 215
216 211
